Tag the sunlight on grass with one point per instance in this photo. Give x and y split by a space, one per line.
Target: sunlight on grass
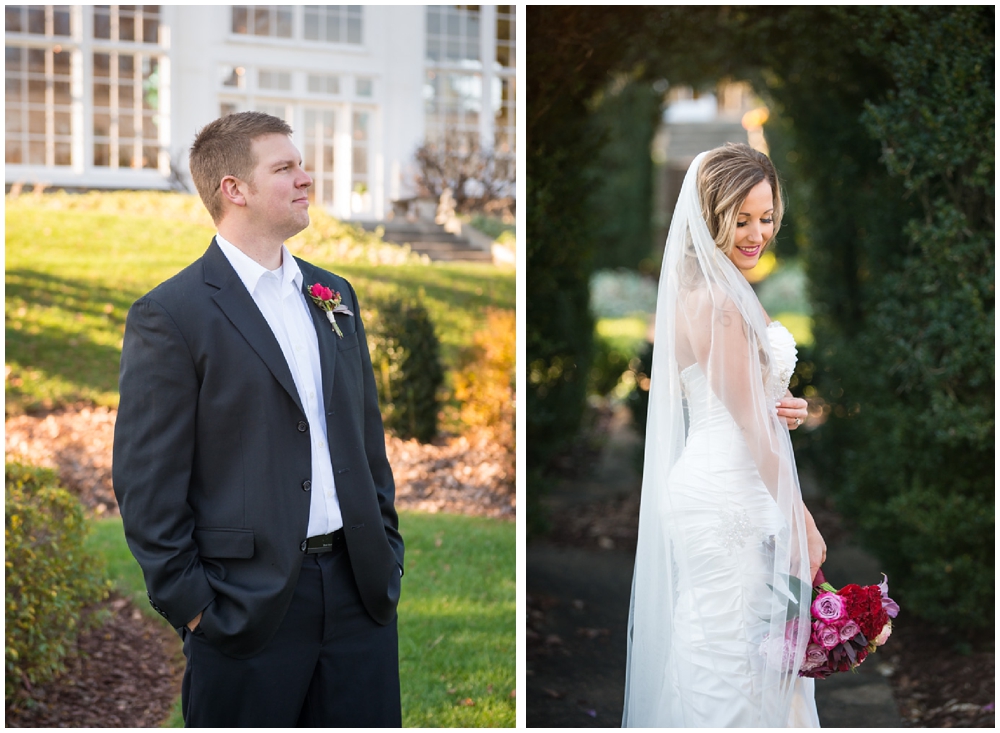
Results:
456 616
74 266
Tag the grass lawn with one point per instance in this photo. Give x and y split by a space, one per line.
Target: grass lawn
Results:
456 616
71 275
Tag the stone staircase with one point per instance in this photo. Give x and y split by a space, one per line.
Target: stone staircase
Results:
428 238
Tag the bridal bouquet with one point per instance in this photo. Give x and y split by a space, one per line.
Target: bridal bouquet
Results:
847 625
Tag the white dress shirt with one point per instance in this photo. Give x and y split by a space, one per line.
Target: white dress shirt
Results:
278 294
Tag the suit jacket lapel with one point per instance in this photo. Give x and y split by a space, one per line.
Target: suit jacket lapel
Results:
243 313
325 336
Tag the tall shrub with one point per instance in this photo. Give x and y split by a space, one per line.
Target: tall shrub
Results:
407 363
931 337
49 577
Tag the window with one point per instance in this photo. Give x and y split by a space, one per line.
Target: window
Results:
360 195
38 118
126 102
323 84
320 125
274 21
279 80
505 35
333 23
452 106
363 87
38 20
132 23
453 33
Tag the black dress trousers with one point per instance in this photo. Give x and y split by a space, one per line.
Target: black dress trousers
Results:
329 664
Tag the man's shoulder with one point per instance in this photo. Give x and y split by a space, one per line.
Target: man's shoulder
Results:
312 274
179 289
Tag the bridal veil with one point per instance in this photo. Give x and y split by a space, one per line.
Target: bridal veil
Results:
708 316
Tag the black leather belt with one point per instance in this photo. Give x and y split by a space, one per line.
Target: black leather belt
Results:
323 542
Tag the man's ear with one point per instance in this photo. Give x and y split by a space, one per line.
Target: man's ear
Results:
233 190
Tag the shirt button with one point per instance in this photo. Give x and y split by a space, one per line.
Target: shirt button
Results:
303 426
306 485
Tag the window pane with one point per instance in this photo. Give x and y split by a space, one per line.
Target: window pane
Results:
363 87
359 162
102 23
333 27
354 30
60 63
262 21
60 21
12 120
13 19
13 58
239 19
102 154
125 154
102 66
12 88
126 65
36 61
62 94
36 93
150 30
126 28
284 23
102 125
150 155
149 130
125 126
13 152
36 23
64 154
36 152
102 95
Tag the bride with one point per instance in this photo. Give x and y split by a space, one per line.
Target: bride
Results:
727 550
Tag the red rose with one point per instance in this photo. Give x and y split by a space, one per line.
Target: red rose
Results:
321 292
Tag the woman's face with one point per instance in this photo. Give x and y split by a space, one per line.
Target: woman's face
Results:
754 227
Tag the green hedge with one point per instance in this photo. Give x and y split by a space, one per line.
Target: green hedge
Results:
49 576
406 357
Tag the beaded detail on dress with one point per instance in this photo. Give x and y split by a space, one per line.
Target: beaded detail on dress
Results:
784 352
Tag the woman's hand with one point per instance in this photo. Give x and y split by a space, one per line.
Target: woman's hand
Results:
793 410
815 544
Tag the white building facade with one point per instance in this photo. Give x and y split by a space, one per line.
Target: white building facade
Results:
113 96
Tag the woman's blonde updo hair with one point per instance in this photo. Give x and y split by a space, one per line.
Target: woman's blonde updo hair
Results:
724 180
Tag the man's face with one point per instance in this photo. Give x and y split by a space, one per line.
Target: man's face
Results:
277 199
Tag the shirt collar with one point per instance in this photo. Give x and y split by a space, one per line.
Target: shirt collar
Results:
250 271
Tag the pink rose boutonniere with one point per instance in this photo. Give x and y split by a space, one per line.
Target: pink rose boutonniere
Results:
329 302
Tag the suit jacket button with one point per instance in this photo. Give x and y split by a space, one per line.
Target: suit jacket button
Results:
303 426
306 485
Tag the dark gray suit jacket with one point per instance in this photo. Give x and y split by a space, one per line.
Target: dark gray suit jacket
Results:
212 456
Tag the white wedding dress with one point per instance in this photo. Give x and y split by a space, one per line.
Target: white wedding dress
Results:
723 521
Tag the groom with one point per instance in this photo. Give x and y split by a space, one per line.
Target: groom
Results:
249 461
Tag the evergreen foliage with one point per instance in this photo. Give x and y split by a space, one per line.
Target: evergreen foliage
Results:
49 576
406 359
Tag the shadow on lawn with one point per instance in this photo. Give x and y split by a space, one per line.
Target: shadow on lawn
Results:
51 322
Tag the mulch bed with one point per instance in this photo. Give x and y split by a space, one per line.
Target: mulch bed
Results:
459 475
126 673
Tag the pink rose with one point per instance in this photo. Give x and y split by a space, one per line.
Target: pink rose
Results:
815 657
884 635
888 605
828 607
849 630
321 292
826 636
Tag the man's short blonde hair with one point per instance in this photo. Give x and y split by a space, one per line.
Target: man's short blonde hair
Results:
225 148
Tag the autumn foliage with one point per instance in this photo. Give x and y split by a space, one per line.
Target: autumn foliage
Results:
485 383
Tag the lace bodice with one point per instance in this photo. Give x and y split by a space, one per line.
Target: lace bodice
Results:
784 352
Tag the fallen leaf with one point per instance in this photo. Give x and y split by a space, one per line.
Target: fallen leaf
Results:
554 693
467 702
